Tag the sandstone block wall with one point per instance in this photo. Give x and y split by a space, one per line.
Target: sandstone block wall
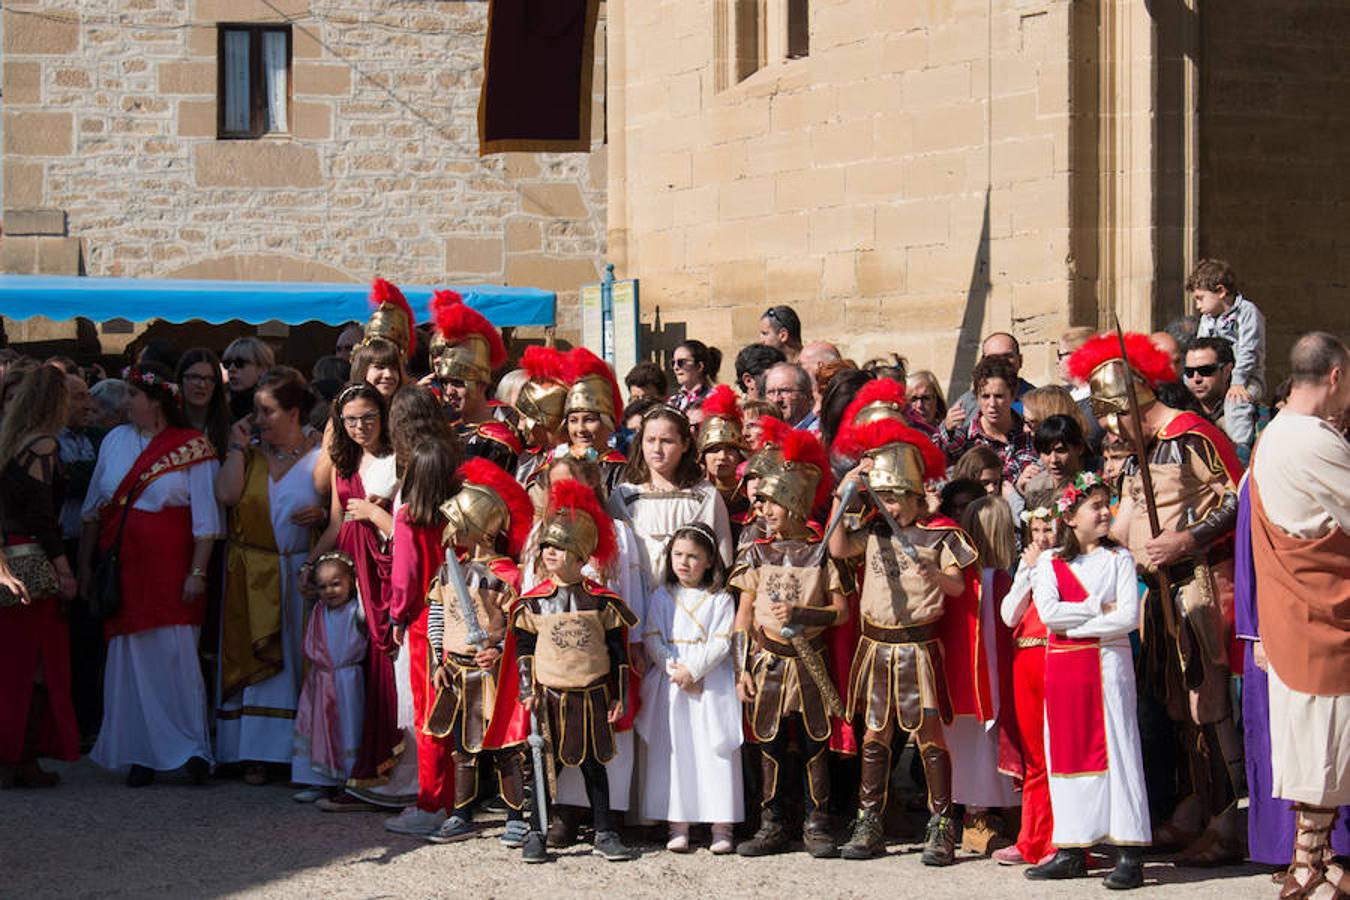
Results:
905 186
110 113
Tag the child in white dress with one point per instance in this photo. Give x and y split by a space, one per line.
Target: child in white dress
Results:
691 717
329 715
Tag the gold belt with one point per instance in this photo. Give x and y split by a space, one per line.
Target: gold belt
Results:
1024 643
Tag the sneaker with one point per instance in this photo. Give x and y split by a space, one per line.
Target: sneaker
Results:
514 835
1009 856
345 802
414 821
940 845
608 845
867 841
455 828
533 850
722 841
309 795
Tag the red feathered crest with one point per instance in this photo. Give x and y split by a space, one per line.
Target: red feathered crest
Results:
387 293
721 403
543 364
479 471
580 362
1145 357
858 439
878 390
569 498
457 320
801 448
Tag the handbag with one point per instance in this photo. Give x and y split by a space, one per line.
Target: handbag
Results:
107 599
31 566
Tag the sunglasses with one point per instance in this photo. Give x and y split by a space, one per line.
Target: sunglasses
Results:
683 363
1202 371
235 362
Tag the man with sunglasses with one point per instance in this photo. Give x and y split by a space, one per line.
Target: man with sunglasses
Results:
780 327
1208 372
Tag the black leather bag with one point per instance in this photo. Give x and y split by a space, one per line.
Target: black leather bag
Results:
107 588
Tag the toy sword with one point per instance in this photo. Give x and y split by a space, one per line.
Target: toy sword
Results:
906 545
475 635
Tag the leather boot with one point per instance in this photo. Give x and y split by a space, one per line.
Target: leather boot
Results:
1219 764
562 831
980 832
1129 870
940 843
1068 862
510 779
817 837
771 838
867 840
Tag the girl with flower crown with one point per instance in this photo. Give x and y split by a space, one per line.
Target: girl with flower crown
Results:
1087 595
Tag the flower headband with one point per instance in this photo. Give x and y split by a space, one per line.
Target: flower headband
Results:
578 452
1043 513
139 378
1074 494
336 556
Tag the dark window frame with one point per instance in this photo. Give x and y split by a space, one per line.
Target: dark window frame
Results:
256 80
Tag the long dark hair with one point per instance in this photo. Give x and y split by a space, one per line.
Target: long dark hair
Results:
415 415
710 358
687 474
1069 548
345 452
715 578
429 481
217 424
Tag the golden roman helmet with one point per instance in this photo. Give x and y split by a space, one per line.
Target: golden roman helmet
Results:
593 388
766 459
897 468
392 318
541 404
797 478
721 421
467 360
570 531
1109 389
475 515
791 486
466 346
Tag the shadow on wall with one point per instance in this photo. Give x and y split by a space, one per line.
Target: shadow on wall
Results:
977 302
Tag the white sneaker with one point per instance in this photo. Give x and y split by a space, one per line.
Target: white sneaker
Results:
309 795
415 821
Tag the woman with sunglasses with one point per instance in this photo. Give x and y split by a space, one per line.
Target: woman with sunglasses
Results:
696 366
245 360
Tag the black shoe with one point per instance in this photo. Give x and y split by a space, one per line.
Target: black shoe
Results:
816 836
533 850
198 770
771 838
562 831
608 845
140 776
1066 863
1129 871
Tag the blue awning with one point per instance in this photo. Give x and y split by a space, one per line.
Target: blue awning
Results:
177 300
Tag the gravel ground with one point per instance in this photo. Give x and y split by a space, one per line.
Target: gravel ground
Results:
94 837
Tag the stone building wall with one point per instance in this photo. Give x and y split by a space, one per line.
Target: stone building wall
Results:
905 186
110 122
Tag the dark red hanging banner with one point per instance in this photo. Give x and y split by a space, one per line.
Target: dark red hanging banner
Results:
537 69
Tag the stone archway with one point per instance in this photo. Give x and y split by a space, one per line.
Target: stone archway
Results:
262 267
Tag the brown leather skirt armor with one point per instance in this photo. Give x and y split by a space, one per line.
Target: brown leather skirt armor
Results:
579 725
783 687
897 678
466 705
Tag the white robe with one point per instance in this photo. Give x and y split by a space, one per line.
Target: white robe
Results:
656 515
692 741
973 745
257 724
629 582
346 638
154 699
1112 807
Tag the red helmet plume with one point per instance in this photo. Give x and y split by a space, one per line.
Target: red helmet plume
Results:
800 448
571 499
457 320
858 439
1144 357
883 391
480 471
543 364
722 403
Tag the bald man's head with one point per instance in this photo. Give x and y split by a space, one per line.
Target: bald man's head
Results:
1169 345
1000 343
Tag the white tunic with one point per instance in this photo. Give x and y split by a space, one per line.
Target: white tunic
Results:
692 741
346 637
154 699
973 745
656 515
629 582
257 723
1112 807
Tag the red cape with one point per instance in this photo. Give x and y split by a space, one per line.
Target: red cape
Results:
1190 423
963 650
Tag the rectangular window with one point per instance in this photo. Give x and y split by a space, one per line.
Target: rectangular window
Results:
254 80
798 29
